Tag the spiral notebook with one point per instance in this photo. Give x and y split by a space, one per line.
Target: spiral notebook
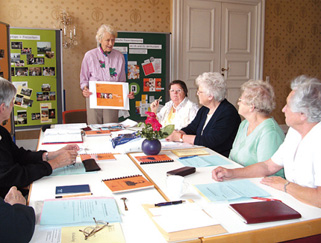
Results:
151 159
98 156
127 183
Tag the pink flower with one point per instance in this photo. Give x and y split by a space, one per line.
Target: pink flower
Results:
150 114
156 126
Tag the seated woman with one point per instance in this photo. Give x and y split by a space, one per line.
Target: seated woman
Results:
179 111
259 135
216 122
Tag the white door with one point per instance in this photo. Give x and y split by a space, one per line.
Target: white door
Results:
218 37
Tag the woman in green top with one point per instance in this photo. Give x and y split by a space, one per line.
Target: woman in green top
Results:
259 135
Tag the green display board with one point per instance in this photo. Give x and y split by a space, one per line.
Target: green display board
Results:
147 58
36 73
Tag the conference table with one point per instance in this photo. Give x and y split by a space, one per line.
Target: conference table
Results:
136 224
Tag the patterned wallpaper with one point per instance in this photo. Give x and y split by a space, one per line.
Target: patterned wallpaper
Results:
292 34
292 44
125 15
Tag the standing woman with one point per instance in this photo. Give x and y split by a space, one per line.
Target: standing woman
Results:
259 136
102 64
216 122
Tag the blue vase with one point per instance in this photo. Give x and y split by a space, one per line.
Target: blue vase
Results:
151 147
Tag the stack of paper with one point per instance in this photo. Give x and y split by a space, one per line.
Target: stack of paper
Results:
53 136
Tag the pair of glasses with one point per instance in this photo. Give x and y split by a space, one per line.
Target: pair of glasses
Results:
199 92
90 230
175 90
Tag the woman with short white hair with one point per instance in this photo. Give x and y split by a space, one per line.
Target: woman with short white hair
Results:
216 122
102 64
259 135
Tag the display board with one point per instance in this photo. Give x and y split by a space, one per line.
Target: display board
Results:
147 58
36 73
5 63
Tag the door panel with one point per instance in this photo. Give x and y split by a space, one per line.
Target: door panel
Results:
238 46
215 35
200 41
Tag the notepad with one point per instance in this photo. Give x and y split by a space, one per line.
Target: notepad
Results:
98 156
59 136
189 152
72 189
127 183
267 211
151 159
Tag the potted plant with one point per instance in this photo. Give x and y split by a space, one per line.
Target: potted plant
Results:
152 132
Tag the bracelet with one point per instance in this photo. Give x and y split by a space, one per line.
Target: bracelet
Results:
285 185
46 156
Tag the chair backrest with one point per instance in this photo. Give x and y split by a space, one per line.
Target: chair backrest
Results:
74 116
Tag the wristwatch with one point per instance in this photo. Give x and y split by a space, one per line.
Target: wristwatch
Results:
181 138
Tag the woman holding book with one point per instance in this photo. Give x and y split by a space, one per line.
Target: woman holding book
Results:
179 111
259 135
216 122
102 64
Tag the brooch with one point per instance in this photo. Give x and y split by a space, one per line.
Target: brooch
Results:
102 64
112 72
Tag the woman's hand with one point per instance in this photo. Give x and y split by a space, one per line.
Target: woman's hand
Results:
275 182
14 197
86 93
154 106
131 95
64 156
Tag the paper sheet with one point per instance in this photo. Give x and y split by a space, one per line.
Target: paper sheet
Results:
79 211
231 190
203 161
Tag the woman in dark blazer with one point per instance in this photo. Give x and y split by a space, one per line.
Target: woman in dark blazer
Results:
216 122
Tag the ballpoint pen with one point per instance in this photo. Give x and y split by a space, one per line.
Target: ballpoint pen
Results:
187 157
169 203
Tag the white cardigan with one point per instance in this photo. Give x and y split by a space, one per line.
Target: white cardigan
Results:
185 113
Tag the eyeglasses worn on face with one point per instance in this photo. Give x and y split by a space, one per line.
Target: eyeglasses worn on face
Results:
199 92
175 90
90 231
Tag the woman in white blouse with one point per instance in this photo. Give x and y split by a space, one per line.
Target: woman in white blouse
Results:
179 111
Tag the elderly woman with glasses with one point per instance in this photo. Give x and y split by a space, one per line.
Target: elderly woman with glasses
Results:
216 122
179 111
259 135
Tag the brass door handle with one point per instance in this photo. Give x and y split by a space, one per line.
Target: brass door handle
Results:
225 69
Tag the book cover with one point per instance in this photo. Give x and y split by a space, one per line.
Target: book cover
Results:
97 133
99 156
150 159
72 189
127 183
189 152
267 211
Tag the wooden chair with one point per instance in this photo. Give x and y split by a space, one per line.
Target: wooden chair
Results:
74 116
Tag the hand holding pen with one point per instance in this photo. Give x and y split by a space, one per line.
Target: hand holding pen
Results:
154 105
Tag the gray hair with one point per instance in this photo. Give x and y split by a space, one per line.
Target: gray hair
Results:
7 92
260 94
214 85
103 29
307 97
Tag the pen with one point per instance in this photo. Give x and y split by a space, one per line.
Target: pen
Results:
169 203
187 157
159 98
75 195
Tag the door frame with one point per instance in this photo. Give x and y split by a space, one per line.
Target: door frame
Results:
176 48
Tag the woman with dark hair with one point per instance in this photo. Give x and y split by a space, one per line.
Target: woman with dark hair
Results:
179 111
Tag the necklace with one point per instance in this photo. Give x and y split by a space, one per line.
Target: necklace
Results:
174 107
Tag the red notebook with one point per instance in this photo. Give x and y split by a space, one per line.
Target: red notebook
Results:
267 211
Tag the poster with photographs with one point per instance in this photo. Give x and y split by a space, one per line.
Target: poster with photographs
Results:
34 71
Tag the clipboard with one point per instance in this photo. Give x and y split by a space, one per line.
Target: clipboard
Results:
186 234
